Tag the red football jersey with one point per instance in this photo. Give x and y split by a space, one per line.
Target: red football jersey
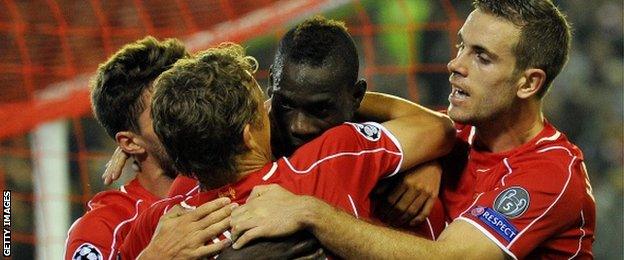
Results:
183 185
430 228
534 201
100 232
341 167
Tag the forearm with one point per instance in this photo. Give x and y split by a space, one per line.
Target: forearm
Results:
425 133
380 107
351 238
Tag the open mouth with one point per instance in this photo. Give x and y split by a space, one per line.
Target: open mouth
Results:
459 93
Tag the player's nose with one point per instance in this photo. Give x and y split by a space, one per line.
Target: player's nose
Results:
303 127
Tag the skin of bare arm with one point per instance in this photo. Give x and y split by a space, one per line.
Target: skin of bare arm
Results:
352 238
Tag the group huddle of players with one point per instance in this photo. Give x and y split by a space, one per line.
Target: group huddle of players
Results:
325 167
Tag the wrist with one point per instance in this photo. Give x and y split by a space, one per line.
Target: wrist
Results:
314 213
150 252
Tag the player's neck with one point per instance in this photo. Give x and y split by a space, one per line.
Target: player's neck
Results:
251 162
512 129
153 178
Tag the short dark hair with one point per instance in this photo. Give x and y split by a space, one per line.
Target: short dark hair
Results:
318 41
119 83
200 108
545 34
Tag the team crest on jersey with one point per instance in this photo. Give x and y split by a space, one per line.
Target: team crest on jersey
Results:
87 251
369 131
512 202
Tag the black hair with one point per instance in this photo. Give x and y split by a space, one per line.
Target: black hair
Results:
318 41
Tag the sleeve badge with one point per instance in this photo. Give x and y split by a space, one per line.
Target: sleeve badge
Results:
87 251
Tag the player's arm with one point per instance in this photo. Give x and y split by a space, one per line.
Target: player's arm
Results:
352 238
423 134
83 241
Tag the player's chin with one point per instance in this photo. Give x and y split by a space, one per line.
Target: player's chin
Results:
458 115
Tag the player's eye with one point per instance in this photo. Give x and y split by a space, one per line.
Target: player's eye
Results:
483 58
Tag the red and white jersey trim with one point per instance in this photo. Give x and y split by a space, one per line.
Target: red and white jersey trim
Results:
136 214
392 138
565 186
333 156
580 243
506 162
549 138
271 172
355 212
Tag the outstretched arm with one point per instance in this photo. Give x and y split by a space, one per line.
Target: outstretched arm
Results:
349 237
424 134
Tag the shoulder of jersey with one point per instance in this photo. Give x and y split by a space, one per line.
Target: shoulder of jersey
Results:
114 198
554 147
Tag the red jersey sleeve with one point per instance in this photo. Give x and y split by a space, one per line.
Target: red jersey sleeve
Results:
538 199
343 165
143 229
370 145
102 229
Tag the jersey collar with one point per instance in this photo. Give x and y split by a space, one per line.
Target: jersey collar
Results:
238 191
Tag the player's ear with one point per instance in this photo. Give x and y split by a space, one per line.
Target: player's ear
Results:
531 83
358 93
130 142
248 137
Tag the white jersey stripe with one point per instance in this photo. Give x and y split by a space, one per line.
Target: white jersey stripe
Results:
89 205
192 190
164 200
136 213
565 186
186 205
473 131
355 212
430 229
550 138
271 172
582 236
506 162
555 148
396 143
338 155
